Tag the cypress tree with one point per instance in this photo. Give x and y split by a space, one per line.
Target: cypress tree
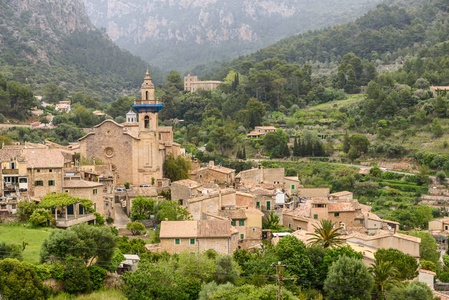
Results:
346 143
244 153
296 148
285 150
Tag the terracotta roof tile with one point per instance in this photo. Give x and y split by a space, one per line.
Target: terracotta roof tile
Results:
340 207
44 158
81 184
187 183
142 191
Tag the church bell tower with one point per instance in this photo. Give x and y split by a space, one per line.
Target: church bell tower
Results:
148 107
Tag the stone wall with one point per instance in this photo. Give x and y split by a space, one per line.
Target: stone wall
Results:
45 175
9 218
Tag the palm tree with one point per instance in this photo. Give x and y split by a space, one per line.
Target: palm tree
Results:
385 275
326 235
271 221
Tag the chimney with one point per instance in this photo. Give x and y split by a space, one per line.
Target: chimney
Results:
211 163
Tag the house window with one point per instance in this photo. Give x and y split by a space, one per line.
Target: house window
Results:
445 227
241 222
289 225
192 241
38 171
268 205
242 236
293 186
233 223
315 217
336 214
39 183
66 191
177 242
298 228
361 221
50 170
95 191
257 204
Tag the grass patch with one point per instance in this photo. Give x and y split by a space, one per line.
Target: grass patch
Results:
109 294
15 234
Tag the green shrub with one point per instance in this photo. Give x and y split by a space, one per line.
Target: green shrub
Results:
97 276
99 219
77 278
135 227
444 277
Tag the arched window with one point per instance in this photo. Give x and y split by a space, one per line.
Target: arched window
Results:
146 95
147 122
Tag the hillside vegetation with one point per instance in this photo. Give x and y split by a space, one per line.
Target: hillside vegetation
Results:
43 43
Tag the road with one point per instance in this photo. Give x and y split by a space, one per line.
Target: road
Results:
121 219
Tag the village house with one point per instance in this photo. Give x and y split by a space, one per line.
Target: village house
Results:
183 190
261 130
341 196
313 192
215 174
439 225
63 106
78 188
248 223
291 184
211 203
260 175
346 214
198 236
384 239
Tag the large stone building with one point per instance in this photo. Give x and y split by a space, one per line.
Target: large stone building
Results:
192 84
136 149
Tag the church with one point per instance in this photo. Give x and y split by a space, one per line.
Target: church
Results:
137 148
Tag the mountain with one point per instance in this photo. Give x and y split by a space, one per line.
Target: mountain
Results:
52 41
388 34
182 34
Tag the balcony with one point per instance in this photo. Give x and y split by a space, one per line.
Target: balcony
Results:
71 220
10 171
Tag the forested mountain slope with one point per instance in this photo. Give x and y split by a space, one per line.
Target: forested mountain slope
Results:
45 42
395 28
181 34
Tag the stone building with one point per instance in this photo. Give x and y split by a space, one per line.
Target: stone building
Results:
215 174
259 175
183 190
198 236
192 84
136 150
248 223
76 187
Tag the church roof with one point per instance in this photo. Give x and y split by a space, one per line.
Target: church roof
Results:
108 120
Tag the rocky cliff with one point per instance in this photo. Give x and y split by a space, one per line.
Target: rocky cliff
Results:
181 33
43 41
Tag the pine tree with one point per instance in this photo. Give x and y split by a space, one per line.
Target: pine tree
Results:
346 143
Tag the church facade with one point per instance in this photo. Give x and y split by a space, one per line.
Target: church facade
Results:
137 148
